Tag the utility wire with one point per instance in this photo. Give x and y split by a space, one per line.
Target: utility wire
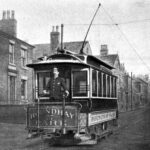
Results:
127 40
111 24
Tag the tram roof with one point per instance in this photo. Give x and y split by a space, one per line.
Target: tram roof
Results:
71 58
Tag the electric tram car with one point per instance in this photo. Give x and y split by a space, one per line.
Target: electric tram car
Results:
88 113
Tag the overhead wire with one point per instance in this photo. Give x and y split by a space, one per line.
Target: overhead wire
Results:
110 24
122 33
125 37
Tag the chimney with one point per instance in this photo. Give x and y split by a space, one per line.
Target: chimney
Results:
54 39
8 23
104 50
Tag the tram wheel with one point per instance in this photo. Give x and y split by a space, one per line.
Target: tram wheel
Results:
93 136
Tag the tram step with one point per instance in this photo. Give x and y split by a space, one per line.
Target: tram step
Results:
88 142
105 133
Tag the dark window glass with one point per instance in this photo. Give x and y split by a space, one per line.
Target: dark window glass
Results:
11 53
23 88
99 84
94 83
80 83
108 86
104 85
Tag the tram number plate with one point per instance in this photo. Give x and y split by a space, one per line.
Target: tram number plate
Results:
51 116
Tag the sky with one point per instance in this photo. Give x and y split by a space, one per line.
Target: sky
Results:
124 25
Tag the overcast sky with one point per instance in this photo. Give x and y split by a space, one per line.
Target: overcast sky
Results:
130 39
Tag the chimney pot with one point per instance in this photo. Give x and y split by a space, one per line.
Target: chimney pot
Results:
4 14
53 28
57 28
8 14
12 14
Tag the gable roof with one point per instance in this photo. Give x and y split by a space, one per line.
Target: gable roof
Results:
8 36
41 49
74 46
109 58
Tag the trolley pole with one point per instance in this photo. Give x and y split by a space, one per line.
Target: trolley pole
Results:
131 92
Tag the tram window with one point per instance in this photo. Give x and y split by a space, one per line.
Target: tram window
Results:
99 84
108 86
42 78
115 88
104 85
112 86
79 83
94 83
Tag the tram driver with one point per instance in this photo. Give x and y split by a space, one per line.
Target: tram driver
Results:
55 86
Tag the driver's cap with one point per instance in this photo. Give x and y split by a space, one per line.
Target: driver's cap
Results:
55 70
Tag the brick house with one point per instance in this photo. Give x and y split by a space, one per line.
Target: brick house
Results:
137 91
15 77
141 87
51 48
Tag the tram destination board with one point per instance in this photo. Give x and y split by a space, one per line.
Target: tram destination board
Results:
48 116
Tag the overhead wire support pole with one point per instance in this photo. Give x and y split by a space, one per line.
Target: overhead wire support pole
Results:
81 51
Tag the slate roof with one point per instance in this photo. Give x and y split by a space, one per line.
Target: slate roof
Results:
41 49
8 36
74 46
108 58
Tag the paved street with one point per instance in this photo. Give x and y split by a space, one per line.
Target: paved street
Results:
133 134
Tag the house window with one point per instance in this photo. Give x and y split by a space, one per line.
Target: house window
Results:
12 87
23 57
23 88
11 53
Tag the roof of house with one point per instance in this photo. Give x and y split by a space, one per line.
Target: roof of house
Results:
108 58
8 36
74 46
41 49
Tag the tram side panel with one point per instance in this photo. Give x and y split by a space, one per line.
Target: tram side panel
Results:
97 111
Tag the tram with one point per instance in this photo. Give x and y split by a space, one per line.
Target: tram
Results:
87 114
